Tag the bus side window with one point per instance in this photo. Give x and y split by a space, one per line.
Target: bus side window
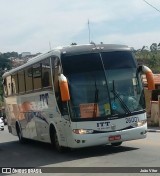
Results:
21 81
5 87
45 79
37 76
14 84
46 73
28 79
9 90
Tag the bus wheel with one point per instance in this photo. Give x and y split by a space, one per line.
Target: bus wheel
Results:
19 133
116 144
55 142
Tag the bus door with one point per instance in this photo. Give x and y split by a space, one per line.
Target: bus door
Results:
63 126
61 108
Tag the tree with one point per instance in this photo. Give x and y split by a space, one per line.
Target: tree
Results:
153 47
149 57
73 43
5 63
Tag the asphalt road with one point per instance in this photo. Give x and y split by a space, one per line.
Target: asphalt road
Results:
139 153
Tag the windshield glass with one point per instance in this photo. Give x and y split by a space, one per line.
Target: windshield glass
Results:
125 87
87 85
102 84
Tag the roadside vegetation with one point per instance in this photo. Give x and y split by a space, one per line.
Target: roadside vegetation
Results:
5 64
149 56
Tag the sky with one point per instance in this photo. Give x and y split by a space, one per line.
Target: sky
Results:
36 25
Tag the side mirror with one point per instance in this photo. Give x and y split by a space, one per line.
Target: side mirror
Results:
149 76
63 84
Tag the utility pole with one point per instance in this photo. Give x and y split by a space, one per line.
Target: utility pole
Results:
89 31
50 46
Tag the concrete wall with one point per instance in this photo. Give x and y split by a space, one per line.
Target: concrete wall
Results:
155 115
147 94
152 109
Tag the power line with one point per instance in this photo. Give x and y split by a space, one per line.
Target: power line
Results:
151 5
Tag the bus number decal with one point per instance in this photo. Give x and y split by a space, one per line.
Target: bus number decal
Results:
132 119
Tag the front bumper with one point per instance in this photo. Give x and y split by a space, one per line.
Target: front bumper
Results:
87 140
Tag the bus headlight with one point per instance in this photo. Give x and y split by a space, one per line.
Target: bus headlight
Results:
83 131
140 123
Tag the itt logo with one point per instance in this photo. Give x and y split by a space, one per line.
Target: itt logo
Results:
103 124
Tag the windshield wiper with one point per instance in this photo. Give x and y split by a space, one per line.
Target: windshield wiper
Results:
95 100
120 99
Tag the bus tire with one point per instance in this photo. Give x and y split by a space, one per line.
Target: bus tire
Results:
116 144
54 140
19 134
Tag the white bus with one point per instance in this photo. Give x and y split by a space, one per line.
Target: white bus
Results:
78 96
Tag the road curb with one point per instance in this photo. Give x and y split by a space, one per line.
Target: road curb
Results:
151 130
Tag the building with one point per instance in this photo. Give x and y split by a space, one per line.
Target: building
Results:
153 101
24 54
156 80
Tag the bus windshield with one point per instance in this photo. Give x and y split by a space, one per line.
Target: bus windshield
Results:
103 85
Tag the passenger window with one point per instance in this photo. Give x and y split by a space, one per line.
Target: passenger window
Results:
9 88
14 84
37 76
28 79
46 73
21 82
5 87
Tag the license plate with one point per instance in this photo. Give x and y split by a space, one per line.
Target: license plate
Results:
114 138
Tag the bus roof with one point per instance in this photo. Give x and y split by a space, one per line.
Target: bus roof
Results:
70 50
